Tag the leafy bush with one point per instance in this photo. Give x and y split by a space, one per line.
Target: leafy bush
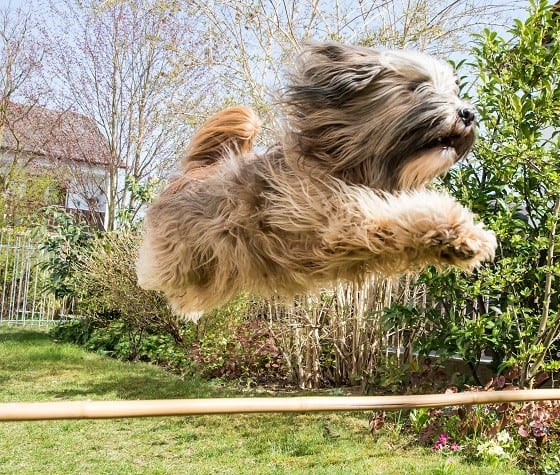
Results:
234 342
106 285
515 184
76 331
116 339
64 244
119 319
509 309
517 173
130 323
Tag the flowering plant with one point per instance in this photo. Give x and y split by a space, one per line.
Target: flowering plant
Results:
496 449
444 443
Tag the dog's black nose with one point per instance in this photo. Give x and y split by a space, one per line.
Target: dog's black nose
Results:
467 114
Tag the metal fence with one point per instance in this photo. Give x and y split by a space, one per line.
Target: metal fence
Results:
23 299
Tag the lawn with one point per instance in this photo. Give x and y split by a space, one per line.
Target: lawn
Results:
34 368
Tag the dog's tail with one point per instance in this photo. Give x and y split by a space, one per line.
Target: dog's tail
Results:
230 130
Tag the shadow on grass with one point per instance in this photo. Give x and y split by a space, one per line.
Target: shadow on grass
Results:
63 371
135 387
16 334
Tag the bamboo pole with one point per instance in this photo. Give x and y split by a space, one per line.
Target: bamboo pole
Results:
21 411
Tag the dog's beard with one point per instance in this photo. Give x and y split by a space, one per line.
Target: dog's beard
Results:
424 167
434 151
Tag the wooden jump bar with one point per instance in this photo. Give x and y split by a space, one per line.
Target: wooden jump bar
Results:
33 411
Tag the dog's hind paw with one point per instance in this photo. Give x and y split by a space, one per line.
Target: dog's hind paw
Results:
463 246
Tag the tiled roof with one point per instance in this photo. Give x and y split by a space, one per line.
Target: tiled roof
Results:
54 134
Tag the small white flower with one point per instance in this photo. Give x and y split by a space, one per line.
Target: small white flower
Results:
483 447
491 449
496 450
503 437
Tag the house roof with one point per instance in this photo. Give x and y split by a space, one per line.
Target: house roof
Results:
61 135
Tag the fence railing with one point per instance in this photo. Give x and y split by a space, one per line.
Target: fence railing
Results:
22 296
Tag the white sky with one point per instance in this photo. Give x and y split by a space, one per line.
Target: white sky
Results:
518 6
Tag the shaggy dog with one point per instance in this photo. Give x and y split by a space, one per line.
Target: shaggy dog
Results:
341 196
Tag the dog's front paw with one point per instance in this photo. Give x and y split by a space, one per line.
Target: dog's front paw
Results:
465 246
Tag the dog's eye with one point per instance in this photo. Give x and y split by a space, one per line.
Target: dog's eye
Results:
421 87
413 86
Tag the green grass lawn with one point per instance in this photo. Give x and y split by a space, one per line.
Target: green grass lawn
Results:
33 368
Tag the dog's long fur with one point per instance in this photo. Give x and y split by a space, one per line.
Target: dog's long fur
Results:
341 196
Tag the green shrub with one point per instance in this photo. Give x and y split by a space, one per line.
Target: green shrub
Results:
114 338
514 185
64 244
233 342
119 319
130 323
510 308
106 286
76 331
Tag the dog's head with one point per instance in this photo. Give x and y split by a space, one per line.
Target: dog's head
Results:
390 120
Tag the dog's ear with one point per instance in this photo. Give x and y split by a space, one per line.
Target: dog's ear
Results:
329 74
